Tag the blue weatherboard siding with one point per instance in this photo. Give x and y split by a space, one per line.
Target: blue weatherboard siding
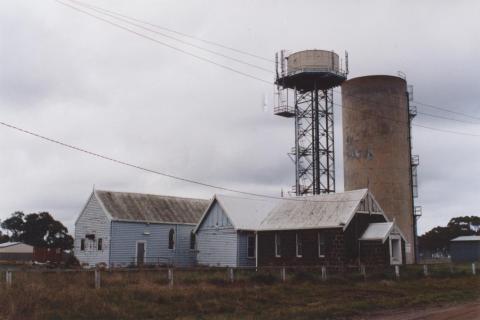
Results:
217 240
92 220
126 234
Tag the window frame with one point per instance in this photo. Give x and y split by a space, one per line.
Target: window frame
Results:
321 244
82 244
278 245
249 237
193 240
171 239
100 244
298 245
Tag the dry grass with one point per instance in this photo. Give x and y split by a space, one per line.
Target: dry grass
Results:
208 295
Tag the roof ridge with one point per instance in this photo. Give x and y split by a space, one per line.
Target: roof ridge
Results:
151 194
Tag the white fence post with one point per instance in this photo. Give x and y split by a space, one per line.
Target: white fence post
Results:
474 271
97 279
324 273
363 272
397 272
8 278
170 277
283 274
425 270
231 276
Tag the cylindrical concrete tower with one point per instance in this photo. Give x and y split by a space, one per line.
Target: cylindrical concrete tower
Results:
376 146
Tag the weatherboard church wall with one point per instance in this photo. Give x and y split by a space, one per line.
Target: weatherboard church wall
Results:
92 220
217 240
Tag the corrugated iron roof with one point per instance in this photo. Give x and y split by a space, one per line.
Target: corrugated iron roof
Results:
246 213
320 211
377 231
467 238
8 244
151 208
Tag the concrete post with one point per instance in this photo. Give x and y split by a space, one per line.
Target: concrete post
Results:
8 278
474 271
231 277
324 273
451 268
97 279
170 277
397 272
425 270
283 274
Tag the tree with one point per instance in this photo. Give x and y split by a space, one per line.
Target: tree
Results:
4 238
39 230
438 239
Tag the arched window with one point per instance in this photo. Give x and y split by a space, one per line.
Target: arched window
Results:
171 239
192 240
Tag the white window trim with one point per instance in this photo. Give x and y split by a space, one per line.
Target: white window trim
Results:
254 246
278 243
296 246
144 251
320 253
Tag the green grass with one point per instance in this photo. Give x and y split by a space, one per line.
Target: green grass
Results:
208 295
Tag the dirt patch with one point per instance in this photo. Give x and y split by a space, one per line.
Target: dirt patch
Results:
468 311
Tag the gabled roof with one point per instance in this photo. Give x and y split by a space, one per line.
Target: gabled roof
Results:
467 238
380 231
126 206
246 213
331 210
315 212
377 231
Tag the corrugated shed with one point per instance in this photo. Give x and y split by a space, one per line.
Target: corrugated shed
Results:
467 238
377 231
152 208
8 244
246 213
321 211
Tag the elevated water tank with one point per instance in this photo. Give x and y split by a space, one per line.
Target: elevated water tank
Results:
376 146
312 69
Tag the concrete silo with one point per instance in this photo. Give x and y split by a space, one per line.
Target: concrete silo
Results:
377 146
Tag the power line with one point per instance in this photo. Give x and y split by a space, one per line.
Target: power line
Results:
101 11
446 110
244 73
116 15
164 174
176 32
446 118
165 44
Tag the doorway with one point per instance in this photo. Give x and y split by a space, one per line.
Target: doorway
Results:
140 253
395 250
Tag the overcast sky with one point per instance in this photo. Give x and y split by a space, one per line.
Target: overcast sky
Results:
68 76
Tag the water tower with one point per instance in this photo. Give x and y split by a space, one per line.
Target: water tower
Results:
305 80
377 151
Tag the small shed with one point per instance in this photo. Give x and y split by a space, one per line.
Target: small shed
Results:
16 251
465 249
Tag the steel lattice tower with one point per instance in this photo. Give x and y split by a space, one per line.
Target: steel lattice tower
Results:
304 91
